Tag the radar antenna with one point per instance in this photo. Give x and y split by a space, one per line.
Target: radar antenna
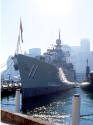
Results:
59 34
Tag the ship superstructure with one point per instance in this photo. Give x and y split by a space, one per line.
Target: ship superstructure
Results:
45 74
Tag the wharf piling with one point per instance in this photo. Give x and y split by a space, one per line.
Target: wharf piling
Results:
17 100
76 109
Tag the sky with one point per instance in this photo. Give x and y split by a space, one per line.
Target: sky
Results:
41 21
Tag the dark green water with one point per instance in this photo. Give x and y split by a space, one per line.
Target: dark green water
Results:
56 107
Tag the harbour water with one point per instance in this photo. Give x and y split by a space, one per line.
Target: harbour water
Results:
56 107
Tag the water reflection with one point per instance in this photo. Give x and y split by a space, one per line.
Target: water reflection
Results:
8 102
7 97
55 107
89 94
54 101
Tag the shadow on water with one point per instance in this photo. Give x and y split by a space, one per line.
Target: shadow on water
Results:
89 94
7 96
45 100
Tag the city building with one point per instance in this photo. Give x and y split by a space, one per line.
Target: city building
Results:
90 60
79 56
67 51
10 73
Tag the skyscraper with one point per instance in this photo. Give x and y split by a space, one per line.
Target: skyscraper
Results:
79 55
85 45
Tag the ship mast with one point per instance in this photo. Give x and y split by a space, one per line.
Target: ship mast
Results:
59 34
18 48
87 71
58 41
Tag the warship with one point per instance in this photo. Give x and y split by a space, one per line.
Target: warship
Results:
45 74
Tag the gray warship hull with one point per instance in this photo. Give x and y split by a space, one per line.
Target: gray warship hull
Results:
40 78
